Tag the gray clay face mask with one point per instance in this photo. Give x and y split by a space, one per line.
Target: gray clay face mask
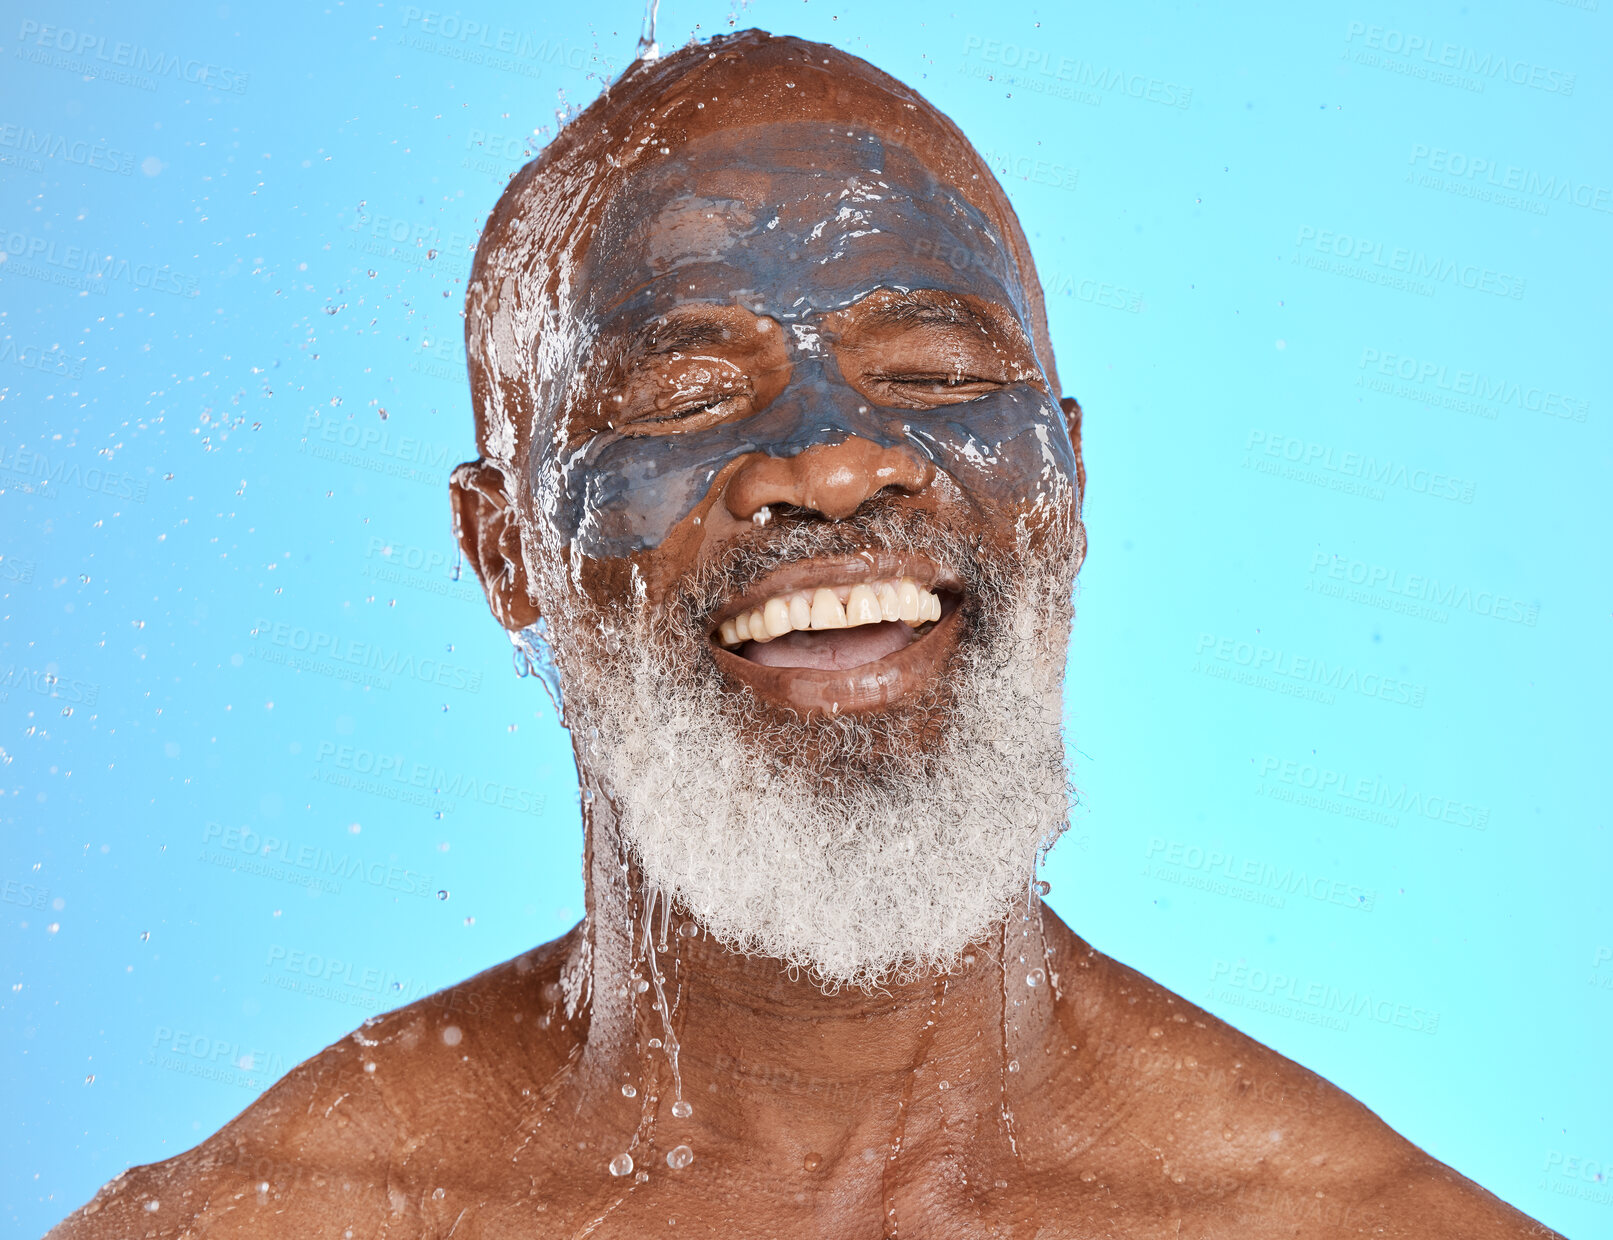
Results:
792 223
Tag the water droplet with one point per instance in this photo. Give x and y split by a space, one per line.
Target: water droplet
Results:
438 1194
442 895
688 930
1032 980
682 1109
641 985
629 1091
648 48
679 1157
431 253
1043 886
90 1079
654 1044
145 936
812 1162
451 1036
622 1164
1013 1065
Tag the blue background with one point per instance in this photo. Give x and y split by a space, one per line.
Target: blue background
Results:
266 766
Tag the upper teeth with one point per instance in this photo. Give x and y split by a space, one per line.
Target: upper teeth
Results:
833 607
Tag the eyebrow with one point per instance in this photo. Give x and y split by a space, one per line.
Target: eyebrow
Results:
690 331
920 309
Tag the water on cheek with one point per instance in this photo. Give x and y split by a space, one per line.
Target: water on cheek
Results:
624 494
1008 451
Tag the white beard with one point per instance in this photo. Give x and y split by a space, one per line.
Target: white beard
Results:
889 871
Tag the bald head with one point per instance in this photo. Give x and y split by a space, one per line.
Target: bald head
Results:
524 326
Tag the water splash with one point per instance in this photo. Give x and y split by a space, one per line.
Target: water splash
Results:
648 48
567 111
535 656
669 1041
1004 1111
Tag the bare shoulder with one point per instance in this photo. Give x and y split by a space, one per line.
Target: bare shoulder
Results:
1234 1135
315 1155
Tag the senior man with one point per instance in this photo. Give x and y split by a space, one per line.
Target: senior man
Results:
774 464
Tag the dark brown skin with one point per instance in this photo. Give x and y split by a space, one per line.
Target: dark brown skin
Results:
1098 1104
1135 1114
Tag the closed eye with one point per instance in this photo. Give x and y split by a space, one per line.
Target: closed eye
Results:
937 380
933 388
690 417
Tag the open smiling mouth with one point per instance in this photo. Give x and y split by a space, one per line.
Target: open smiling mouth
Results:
841 634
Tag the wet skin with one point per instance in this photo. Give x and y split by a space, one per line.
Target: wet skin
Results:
1041 1090
801 317
784 287
1134 1114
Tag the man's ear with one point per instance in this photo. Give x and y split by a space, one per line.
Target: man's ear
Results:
489 533
1072 420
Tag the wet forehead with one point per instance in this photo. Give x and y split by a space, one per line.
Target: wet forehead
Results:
788 220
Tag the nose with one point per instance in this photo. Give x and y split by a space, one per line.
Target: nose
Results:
831 479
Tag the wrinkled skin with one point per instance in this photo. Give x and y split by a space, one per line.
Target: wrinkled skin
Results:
1093 1103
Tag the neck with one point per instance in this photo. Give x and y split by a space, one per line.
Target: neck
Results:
757 1055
